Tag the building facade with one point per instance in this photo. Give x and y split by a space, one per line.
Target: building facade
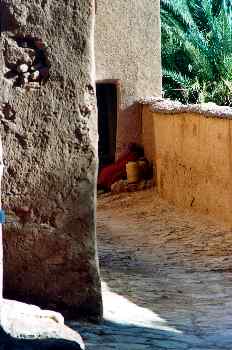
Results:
127 54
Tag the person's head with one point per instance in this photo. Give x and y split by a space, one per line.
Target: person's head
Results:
136 149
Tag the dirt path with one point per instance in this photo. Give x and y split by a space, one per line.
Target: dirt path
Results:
175 263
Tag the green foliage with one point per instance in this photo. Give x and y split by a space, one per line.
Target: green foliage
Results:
197 50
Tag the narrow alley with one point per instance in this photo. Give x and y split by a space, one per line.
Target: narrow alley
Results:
167 277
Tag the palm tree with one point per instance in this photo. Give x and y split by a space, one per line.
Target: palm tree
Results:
218 5
197 50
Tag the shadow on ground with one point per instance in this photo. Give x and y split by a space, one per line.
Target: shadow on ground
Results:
7 342
127 326
113 336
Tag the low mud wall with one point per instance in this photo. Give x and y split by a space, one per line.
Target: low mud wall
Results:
191 148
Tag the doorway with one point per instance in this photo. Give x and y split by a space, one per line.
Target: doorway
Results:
107 102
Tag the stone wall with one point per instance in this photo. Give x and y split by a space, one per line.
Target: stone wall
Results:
192 154
128 48
49 132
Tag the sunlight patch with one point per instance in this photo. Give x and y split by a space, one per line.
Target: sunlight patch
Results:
120 310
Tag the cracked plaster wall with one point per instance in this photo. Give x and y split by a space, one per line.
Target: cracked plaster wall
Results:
49 138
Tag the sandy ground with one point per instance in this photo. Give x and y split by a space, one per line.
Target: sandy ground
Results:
144 221
173 269
163 258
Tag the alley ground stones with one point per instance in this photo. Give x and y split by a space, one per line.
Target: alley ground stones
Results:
167 277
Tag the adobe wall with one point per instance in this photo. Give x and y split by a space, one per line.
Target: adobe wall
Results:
127 47
147 135
48 125
192 153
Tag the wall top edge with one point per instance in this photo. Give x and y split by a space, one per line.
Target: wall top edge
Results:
167 107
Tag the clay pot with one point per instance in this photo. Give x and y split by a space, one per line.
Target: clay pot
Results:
132 171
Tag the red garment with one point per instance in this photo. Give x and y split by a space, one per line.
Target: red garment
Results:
115 172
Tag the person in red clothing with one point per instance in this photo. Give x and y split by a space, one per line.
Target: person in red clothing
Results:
117 171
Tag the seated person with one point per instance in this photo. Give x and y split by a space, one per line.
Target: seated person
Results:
117 171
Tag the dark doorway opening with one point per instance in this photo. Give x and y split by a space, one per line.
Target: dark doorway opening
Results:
107 102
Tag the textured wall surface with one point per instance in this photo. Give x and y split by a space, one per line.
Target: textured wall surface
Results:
49 133
194 161
128 48
148 139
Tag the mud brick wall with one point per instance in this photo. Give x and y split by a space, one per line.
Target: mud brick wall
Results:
191 150
49 133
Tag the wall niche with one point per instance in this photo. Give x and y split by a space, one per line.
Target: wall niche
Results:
26 60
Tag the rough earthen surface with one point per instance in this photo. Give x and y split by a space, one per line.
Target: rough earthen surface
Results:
50 145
